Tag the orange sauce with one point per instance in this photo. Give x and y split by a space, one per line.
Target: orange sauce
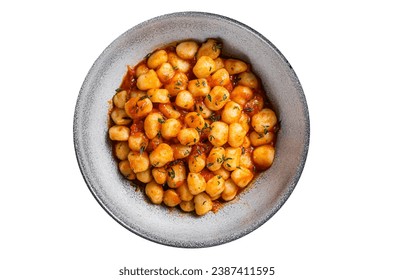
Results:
204 146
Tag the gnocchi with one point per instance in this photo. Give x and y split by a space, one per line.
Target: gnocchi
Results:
157 58
165 72
204 67
176 175
171 198
121 150
192 127
148 80
159 95
155 192
187 49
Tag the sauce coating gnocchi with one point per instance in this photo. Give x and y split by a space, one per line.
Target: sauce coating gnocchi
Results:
191 126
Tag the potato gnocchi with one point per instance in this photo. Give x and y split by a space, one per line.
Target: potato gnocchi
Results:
192 126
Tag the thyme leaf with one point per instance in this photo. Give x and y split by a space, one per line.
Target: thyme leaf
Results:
143 97
217 46
214 117
171 173
236 80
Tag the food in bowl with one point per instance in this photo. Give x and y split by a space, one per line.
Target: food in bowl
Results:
192 126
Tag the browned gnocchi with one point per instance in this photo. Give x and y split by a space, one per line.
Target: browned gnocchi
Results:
191 126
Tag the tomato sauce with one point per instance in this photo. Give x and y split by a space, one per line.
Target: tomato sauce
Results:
252 107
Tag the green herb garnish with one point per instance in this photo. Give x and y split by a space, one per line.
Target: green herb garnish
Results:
171 173
217 46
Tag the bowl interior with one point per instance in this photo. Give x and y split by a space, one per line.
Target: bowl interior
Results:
130 207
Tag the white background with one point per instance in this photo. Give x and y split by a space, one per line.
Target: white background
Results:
337 224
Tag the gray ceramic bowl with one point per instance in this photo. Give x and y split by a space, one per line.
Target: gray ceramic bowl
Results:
130 207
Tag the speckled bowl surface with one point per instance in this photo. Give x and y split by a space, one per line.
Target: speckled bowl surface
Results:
254 206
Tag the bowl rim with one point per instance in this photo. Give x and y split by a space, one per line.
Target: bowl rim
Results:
301 163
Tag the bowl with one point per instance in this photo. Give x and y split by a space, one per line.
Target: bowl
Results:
128 206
